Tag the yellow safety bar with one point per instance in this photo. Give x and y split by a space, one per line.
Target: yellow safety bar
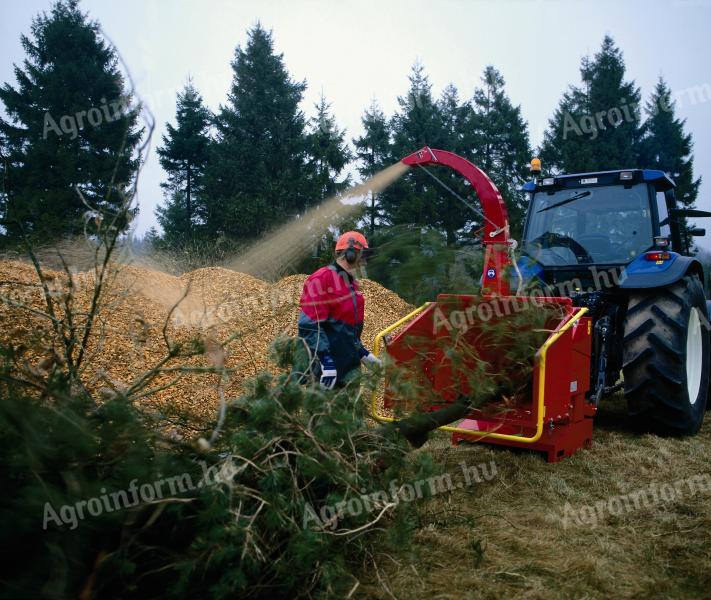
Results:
541 382
376 351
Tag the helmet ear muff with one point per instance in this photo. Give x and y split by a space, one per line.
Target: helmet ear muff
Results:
351 254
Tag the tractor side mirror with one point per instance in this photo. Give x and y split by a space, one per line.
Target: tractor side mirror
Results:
690 212
697 231
662 242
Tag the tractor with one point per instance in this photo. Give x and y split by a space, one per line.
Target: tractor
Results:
611 250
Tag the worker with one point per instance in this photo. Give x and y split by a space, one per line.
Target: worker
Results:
331 318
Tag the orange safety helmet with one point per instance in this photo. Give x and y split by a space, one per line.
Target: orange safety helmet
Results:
351 239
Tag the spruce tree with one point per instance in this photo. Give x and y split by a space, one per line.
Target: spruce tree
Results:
373 153
417 198
416 124
173 218
69 126
152 238
184 157
328 152
258 175
563 149
499 143
455 215
667 147
597 126
455 115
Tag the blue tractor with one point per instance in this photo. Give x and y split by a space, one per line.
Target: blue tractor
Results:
616 242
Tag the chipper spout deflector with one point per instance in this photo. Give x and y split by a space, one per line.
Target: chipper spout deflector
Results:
496 239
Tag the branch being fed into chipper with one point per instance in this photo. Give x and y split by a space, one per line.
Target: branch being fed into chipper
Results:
416 429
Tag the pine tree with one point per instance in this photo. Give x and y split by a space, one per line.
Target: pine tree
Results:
152 238
416 124
499 143
666 147
455 115
455 214
597 126
418 199
258 175
69 126
373 153
328 152
173 218
419 121
184 157
563 148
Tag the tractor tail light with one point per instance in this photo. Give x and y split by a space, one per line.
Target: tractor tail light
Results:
657 256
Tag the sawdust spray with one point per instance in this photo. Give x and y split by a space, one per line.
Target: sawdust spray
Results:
271 256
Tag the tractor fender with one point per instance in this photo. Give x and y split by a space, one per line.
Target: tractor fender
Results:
644 274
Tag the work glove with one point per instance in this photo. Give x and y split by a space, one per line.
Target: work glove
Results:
328 372
369 359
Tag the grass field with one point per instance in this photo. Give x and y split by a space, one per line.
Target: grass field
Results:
507 536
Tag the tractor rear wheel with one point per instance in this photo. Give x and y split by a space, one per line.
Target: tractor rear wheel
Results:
666 357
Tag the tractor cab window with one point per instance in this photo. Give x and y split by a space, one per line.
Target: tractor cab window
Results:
606 224
664 228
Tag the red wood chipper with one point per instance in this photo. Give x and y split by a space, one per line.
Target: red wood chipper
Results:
596 333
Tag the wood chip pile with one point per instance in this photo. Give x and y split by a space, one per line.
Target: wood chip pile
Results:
210 304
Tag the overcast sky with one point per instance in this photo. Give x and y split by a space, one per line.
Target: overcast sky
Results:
355 51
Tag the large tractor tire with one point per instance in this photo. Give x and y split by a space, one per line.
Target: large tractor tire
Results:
666 357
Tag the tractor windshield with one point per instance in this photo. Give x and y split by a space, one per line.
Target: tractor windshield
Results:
606 224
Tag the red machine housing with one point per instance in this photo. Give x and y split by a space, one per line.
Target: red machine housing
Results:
556 418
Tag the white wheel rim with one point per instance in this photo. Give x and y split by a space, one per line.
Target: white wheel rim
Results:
694 349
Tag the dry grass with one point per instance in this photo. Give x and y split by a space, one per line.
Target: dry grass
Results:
663 551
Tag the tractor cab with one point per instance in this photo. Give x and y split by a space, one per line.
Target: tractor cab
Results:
578 224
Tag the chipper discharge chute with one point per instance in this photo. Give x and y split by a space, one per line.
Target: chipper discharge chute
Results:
468 347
